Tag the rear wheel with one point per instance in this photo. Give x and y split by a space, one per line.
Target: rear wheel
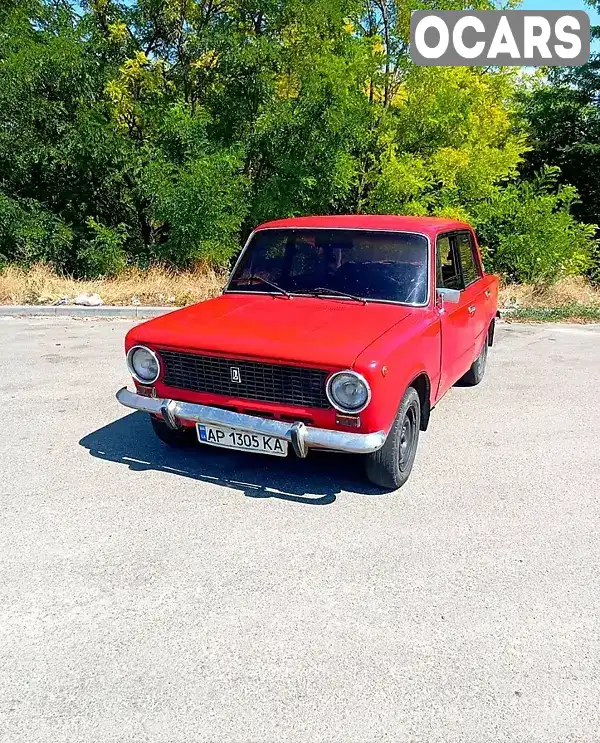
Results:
390 467
180 439
477 371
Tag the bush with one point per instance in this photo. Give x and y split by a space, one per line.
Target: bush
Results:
29 234
529 234
200 207
593 273
103 254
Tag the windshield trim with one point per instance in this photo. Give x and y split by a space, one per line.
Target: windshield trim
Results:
227 290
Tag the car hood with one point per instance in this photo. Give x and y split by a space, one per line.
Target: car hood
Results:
320 332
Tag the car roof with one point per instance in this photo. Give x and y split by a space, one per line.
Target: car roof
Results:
391 222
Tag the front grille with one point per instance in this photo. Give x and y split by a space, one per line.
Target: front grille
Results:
290 385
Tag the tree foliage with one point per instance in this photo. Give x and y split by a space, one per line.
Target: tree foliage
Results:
166 129
561 109
563 115
530 234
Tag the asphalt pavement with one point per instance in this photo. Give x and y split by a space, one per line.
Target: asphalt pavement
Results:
153 595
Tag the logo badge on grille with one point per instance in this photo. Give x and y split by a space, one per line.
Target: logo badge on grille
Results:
235 374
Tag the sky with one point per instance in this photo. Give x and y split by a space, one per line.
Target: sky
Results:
565 5
561 5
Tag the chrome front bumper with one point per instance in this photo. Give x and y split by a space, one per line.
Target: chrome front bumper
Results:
300 436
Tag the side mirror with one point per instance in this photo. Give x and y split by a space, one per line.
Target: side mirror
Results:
452 296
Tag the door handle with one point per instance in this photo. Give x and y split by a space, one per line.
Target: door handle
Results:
488 293
472 309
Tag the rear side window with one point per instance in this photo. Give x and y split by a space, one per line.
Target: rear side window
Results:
466 249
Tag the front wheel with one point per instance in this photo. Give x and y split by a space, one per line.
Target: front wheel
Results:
390 467
179 439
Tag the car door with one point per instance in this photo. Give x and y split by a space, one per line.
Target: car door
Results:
487 297
456 320
474 287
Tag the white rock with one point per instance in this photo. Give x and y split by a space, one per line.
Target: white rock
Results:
89 300
135 301
62 300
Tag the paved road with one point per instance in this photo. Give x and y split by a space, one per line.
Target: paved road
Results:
147 595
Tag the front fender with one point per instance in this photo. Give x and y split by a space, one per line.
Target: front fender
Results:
393 362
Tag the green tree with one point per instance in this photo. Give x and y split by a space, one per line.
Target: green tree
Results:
563 115
562 111
167 129
529 234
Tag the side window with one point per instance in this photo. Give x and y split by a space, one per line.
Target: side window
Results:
466 249
448 268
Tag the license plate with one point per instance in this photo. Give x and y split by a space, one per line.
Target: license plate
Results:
231 438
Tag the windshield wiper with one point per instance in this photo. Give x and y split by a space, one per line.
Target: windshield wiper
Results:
322 291
272 285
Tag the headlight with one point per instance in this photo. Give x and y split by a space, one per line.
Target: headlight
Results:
348 391
143 364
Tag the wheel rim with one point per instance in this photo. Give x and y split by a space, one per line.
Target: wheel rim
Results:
408 438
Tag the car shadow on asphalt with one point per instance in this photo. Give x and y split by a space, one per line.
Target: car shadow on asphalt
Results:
314 481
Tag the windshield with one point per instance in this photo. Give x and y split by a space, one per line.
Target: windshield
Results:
388 266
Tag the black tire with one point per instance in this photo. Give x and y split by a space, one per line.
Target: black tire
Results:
180 439
477 371
390 467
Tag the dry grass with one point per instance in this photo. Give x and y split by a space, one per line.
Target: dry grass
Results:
156 286
566 292
160 286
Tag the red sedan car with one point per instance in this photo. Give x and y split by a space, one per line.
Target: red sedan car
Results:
338 333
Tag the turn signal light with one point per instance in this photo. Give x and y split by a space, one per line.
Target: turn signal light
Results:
146 391
350 421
